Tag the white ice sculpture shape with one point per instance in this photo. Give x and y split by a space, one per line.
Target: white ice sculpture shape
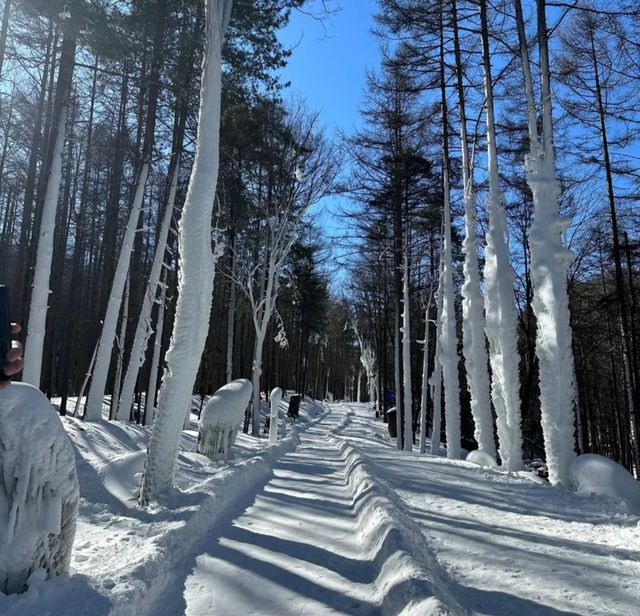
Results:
39 492
274 397
221 419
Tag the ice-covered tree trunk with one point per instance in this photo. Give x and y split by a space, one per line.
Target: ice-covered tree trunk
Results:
473 321
109 325
550 261
150 401
501 316
436 378
143 328
110 322
425 378
256 375
449 344
196 268
359 388
231 312
447 323
406 352
120 339
34 343
274 398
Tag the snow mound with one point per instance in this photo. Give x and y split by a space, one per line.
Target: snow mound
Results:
481 458
221 419
594 474
39 491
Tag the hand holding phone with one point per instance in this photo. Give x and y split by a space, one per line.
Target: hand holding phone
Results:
5 331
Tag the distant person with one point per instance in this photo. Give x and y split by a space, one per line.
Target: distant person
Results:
13 360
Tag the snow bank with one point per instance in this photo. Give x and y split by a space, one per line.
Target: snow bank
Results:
594 474
481 458
221 419
407 575
38 489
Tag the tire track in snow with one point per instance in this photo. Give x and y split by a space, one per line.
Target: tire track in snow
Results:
323 536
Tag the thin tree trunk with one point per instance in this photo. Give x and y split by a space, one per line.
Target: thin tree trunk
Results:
406 350
150 402
143 327
502 319
448 337
473 320
34 345
425 377
120 339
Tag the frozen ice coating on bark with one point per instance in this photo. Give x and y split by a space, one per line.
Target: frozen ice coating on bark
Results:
38 488
221 419
594 474
481 458
274 397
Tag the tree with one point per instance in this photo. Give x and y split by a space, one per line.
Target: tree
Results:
550 260
197 268
294 170
501 316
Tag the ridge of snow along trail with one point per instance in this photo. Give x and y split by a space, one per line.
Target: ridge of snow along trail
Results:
333 520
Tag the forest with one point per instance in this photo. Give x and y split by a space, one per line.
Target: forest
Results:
492 193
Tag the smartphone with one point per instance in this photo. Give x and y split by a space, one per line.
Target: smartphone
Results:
5 329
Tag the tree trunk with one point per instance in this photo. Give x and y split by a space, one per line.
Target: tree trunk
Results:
197 267
502 319
473 320
550 261
448 337
34 345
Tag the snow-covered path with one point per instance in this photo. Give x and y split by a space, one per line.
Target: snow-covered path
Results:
509 544
318 539
334 531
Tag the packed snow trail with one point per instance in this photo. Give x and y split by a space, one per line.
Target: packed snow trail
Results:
320 538
510 544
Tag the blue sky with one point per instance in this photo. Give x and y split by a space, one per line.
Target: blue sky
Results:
327 69
328 65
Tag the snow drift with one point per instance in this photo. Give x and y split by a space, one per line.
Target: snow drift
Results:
481 458
39 491
594 474
221 419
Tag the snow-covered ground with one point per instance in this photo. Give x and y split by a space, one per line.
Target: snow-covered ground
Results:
333 520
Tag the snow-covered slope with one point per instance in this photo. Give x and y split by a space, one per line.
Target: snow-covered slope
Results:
333 520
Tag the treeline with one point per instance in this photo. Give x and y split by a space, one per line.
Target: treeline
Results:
126 76
498 135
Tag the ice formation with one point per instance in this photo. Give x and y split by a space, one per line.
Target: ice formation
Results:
274 397
39 492
221 419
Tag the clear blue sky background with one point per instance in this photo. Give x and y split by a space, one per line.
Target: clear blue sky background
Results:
327 67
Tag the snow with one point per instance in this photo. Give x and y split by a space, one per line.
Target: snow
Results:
481 458
333 520
38 489
594 474
221 418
